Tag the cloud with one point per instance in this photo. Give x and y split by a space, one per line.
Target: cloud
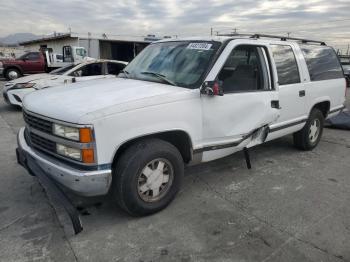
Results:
321 19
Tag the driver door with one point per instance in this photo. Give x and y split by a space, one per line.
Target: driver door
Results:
33 63
241 117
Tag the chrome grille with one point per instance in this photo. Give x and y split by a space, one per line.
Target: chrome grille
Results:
37 123
42 143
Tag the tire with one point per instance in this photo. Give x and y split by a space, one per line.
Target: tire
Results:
12 73
309 137
131 188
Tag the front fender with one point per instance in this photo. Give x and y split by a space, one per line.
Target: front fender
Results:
115 130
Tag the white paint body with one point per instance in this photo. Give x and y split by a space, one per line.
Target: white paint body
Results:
122 109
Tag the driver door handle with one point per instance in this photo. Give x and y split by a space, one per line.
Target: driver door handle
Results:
275 104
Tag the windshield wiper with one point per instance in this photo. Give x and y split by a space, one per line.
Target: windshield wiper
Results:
160 76
126 73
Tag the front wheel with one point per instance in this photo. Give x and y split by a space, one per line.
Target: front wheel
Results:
147 177
12 74
310 135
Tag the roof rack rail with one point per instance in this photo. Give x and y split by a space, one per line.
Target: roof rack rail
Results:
282 38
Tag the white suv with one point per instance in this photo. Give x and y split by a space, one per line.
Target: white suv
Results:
178 102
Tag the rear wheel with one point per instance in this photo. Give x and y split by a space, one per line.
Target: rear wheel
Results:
147 177
12 73
310 135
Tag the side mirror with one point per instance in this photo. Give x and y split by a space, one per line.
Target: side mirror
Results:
212 88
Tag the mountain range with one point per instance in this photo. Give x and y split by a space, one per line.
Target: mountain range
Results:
16 38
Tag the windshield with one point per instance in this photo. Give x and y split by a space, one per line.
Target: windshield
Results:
62 70
176 63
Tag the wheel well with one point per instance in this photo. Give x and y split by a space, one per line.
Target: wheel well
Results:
12 67
179 139
323 107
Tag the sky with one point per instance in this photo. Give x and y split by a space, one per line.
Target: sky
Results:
327 20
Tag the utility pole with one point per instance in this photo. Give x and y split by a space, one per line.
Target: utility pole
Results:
288 34
211 31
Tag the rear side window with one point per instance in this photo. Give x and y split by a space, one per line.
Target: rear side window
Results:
322 62
286 64
114 68
88 70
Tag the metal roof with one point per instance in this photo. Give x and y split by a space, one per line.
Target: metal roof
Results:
44 39
101 37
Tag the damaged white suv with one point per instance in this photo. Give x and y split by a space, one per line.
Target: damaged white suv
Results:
178 102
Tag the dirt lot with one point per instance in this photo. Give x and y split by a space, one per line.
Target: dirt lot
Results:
291 206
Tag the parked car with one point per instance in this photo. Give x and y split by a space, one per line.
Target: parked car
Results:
179 102
29 63
15 90
41 62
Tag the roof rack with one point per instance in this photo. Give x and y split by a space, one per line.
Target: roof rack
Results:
282 38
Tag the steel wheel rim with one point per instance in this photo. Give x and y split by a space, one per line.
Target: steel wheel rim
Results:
155 180
13 75
314 130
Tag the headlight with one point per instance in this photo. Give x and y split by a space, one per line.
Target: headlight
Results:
85 155
83 135
66 132
68 152
24 85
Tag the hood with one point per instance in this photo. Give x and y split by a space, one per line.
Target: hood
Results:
29 78
91 99
40 80
7 59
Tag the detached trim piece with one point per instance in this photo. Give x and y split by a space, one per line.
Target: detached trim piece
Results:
336 110
288 125
231 144
216 147
51 188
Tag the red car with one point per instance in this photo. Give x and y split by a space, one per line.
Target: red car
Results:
29 63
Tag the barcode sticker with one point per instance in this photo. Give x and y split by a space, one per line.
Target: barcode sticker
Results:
199 46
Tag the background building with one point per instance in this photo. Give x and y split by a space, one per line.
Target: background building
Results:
102 46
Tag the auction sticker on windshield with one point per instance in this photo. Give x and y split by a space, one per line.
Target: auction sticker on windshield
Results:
199 46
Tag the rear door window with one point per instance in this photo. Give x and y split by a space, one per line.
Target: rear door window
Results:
322 62
286 64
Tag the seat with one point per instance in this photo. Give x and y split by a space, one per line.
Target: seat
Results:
243 78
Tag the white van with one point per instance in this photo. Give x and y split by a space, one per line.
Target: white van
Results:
180 101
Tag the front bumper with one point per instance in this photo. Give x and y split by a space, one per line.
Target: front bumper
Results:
81 182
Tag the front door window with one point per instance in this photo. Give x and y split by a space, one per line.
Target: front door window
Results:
244 70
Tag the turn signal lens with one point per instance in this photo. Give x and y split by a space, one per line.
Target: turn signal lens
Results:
85 135
88 156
